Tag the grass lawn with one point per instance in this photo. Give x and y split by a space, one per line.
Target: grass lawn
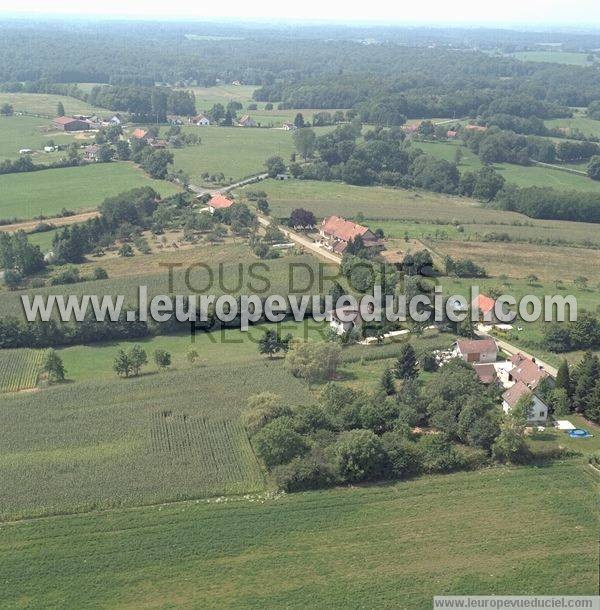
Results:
45 104
47 192
237 152
17 132
43 240
557 57
207 97
378 546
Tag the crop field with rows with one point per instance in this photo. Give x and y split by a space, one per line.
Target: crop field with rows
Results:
110 444
19 369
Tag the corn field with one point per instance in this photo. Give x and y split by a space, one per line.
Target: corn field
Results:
19 369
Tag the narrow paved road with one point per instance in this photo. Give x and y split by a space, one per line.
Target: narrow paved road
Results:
202 190
305 242
511 349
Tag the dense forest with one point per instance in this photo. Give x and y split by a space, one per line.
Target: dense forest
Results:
384 73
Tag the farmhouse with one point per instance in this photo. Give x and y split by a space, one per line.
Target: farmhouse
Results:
538 413
485 306
156 143
201 120
66 123
115 119
246 121
451 134
477 350
139 134
343 319
337 232
526 371
219 202
90 153
289 127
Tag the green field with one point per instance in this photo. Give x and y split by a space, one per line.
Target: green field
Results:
17 132
47 192
498 531
45 104
557 57
418 212
222 348
587 126
19 369
158 437
206 97
520 175
237 152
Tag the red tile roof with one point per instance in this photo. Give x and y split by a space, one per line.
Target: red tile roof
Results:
476 346
486 372
527 371
342 229
515 393
451 133
220 202
483 304
139 134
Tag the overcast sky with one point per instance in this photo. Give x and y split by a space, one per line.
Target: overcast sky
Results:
584 12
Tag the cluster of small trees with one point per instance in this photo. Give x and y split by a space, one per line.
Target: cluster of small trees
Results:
350 436
128 363
583 333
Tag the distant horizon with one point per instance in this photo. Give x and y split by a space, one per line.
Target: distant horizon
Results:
583 15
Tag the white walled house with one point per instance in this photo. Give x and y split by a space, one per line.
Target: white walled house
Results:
200 121
341 326
539 411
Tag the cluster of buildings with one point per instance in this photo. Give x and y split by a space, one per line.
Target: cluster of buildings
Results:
84 123
520 376
142 134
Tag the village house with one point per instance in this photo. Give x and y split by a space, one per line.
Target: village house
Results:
485 306
343 319
337 232
90 153
156 143
289 127
115 119
139 134
538 414
219 202
201 120
477 350
246 121
66 123
527 371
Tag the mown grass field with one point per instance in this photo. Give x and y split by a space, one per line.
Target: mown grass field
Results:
237 152
19 369
228 347
499 531
580 121
17 132
154 438
45 104
557 57
520 175
47 192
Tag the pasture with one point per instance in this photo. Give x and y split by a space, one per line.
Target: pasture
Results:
237 152
521 175
47 192
17 132
155 438
581 122
44 104
19 369
377 546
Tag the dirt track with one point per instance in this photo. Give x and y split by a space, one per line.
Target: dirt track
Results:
29 225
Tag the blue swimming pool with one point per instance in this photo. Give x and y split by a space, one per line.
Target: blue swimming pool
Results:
579 433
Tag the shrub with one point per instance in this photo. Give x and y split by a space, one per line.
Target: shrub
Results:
359 456
403 456
438 454
277 443
309 472
262 409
